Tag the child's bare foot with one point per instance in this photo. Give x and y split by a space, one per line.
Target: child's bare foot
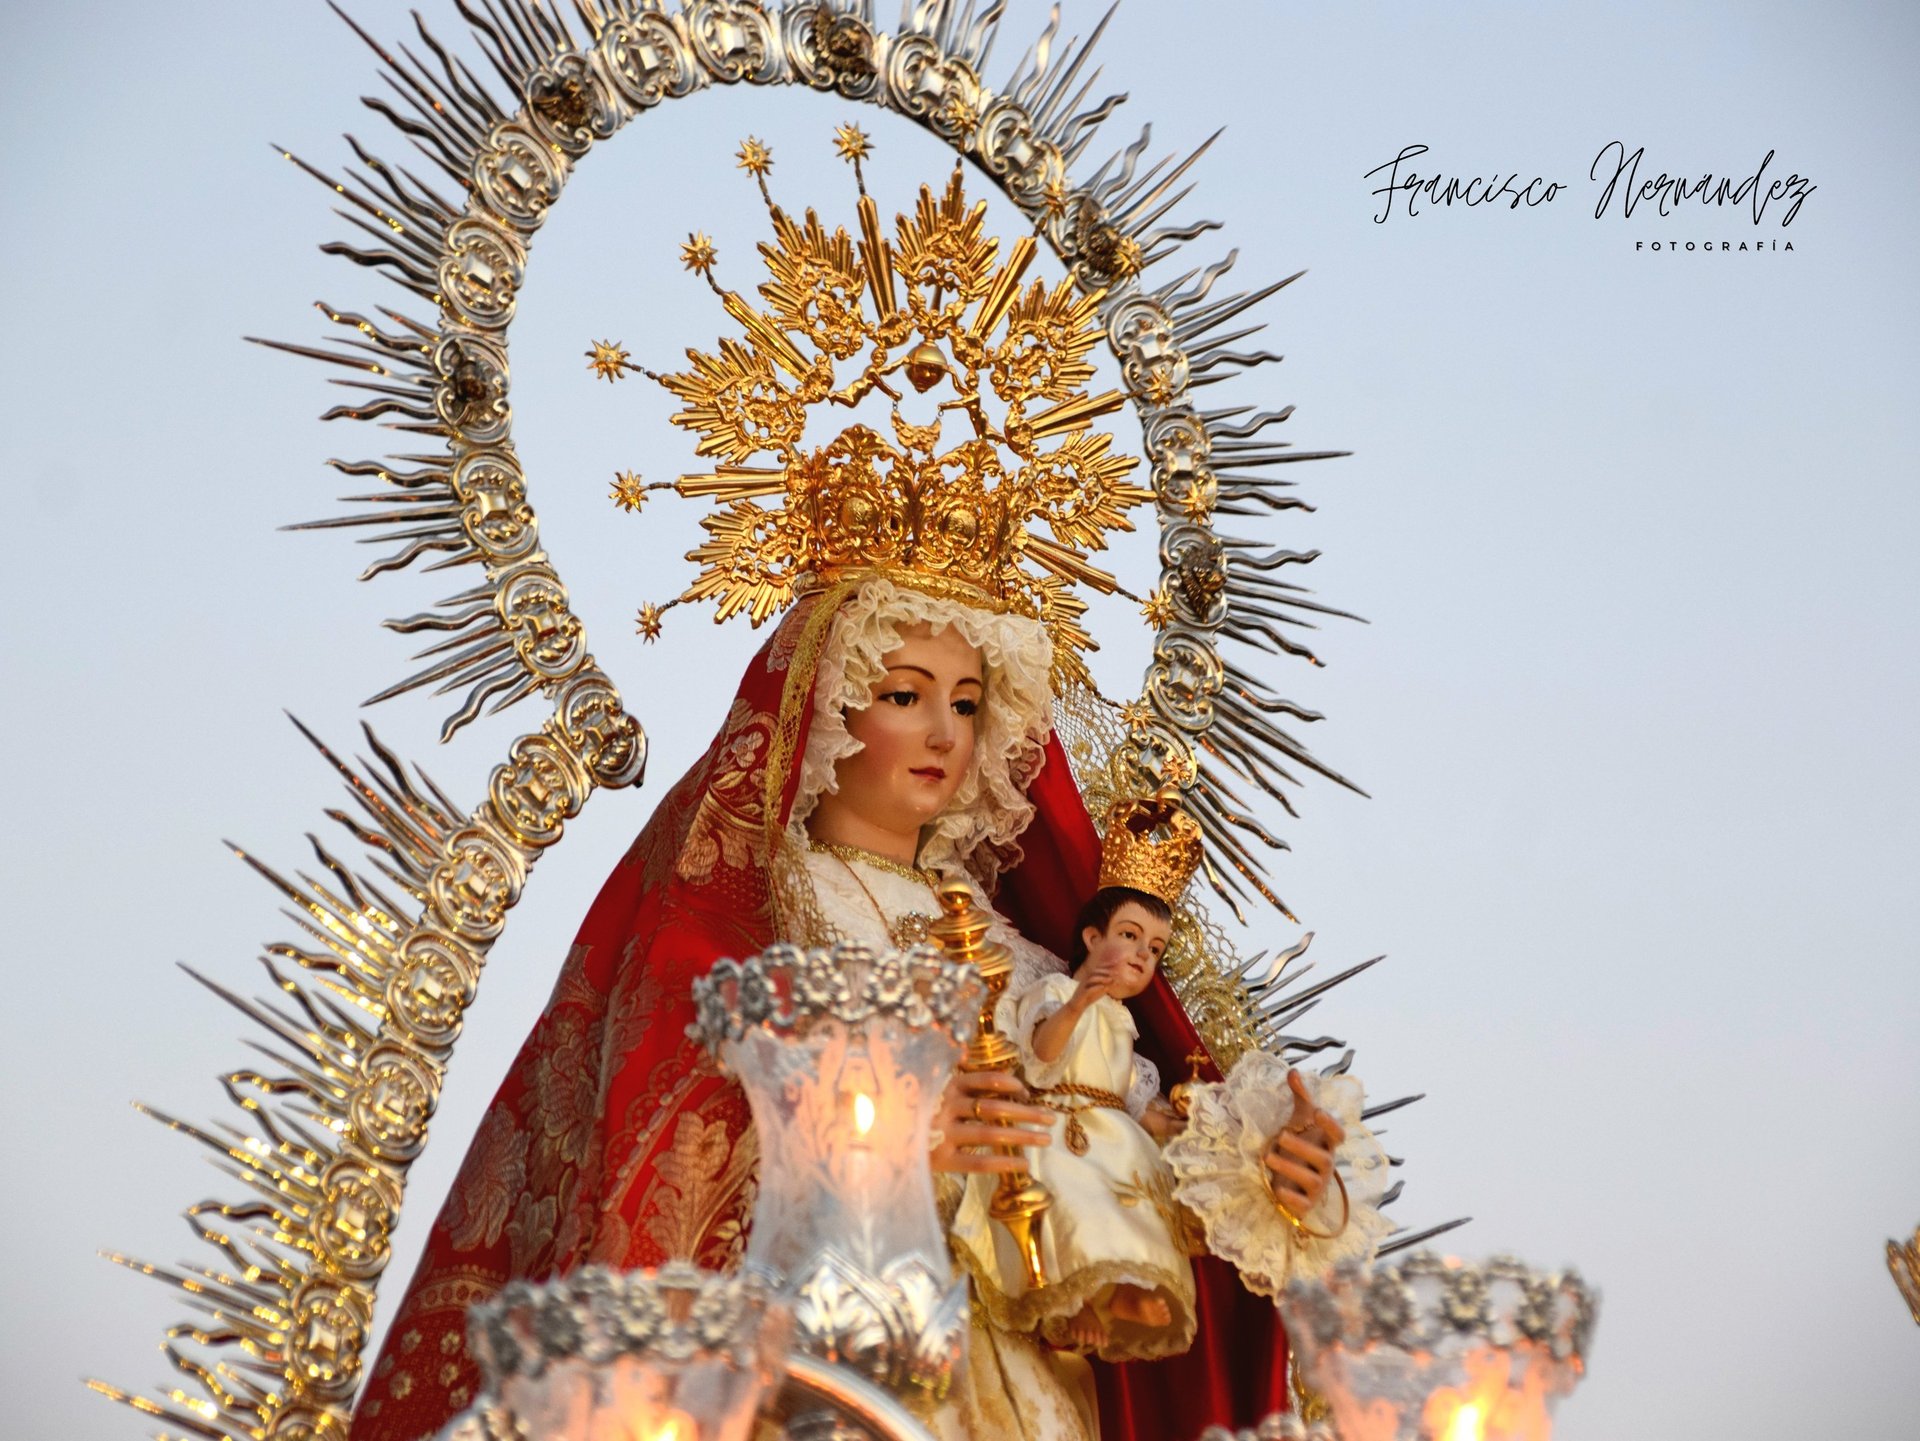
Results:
1084 1328
1143 1307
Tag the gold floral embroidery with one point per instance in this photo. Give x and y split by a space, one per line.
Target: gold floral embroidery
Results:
728 823
454 1290
726 1242
612 1241
781 648
530 1233
1156 1190
810 629
494 1176
573 988
647 1115
688 1172
659 843
564 1088
576 1227
636 1000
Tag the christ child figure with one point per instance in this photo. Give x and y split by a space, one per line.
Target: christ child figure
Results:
1118 1280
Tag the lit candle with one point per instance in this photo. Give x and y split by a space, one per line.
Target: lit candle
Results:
859 1164
859 1113
675 1426
1492 1405
1467 1424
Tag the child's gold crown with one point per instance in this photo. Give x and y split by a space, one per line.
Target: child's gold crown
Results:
1151 845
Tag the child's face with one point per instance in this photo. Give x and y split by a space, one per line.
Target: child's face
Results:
1132 943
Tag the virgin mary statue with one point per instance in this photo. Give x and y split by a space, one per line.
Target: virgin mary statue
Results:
896 729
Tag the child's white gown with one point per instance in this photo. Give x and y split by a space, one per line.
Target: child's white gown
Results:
1113 1217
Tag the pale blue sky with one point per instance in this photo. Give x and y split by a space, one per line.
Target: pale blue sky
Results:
1634 533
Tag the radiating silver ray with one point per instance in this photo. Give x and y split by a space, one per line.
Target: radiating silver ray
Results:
1401 1242
460 249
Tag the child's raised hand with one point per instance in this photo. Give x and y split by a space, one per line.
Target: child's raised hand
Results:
1096 980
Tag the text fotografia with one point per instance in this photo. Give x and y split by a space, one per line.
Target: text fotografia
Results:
1617 171
1710 247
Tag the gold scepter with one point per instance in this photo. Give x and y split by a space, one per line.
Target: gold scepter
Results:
960 932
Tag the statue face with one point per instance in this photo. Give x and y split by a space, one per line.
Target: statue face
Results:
1134 941
917 738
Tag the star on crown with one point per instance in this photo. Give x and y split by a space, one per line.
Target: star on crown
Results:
1006 515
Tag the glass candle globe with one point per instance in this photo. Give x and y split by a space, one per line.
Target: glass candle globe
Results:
1432 1348
844 1054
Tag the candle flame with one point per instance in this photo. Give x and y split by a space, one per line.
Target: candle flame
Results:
862 1113
1468 1424
1493 1405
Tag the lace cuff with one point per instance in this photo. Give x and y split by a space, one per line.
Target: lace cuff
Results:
1220 1174
1020 1013
1145 1087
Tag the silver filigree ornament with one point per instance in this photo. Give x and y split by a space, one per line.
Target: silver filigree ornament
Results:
1428 1337
1280 1426
675 1342
596 1313
788 987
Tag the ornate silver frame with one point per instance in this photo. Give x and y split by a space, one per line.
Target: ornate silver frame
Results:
285 1304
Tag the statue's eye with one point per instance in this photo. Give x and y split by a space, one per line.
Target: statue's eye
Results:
966 707
900 697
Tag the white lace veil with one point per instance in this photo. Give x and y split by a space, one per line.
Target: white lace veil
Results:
979 830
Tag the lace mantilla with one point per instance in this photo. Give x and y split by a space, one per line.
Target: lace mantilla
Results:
979 831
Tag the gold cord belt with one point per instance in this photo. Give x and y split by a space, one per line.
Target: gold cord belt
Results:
1077 1133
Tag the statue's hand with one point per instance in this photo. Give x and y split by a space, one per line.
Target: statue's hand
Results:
1161 1121
982 1109
1096 981
1301 1156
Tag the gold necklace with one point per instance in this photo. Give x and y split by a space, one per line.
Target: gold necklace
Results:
910 929
872 858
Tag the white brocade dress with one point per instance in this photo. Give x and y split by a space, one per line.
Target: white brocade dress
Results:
1014 1387
1113 1220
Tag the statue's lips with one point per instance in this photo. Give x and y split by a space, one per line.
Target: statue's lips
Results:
929 773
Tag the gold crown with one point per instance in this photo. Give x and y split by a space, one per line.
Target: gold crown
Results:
1151 845
935 307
